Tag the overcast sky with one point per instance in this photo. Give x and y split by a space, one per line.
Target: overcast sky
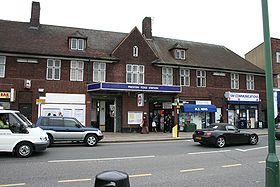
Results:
236 24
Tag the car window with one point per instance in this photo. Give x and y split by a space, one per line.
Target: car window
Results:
16 126
68 122
230 128
57 122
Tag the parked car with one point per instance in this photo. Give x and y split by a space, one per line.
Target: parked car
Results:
68 129
277 131
18 135
221 134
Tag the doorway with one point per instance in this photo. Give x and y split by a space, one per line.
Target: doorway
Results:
26 109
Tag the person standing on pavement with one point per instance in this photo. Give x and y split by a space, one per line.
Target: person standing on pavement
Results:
145 129
277 119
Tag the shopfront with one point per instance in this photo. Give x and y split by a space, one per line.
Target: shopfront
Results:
243 109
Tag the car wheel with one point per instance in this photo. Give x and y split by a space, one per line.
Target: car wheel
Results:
91 140
24 149
220 142
50 140
253 139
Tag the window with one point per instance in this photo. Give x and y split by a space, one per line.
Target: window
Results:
184 77
53 69
278 81
77 44
167 76
2 66
77 71
278 57
135 74
180 54
68 122
200 78
250 82
234 81
135 51
99 72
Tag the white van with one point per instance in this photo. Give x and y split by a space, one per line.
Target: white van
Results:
18 135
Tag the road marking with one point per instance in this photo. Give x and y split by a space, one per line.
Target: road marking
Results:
208 152
232 165
102 159
74 180
18 184
252 149
190 170
261 162
141 175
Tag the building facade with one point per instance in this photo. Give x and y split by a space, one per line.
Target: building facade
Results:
110 79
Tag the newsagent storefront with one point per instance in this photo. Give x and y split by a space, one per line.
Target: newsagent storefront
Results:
119 107
243 109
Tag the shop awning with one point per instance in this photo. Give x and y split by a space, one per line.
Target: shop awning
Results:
199 108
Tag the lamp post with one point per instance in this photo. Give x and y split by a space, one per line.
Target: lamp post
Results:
272 162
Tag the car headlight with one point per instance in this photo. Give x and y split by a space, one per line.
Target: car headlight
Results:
99 133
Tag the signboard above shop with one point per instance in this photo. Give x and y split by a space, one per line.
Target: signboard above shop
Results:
242 98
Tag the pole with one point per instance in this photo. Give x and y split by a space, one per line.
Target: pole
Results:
272 162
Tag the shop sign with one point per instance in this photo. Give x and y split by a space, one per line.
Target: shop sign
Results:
233 96
5 95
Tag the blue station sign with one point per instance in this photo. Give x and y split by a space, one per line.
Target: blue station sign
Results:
133 87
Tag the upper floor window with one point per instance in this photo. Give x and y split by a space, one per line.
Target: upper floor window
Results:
53 69
135 74
2 66
77 71
180 54
99 72
234 77
78 44
278 57
278 81
135 51
184 77
250 82
200 78
167 76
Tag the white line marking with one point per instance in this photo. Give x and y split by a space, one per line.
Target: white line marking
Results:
140 175
190 170
102 159
18 184
208 152
261 162
232 165
74 180
245 150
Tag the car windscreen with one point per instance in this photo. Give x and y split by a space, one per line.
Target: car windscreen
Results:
23 118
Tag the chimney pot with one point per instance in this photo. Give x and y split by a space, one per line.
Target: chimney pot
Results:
35 14
147 27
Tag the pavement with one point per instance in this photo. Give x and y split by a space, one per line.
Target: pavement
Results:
111 137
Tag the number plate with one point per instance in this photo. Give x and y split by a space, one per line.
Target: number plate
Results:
198 138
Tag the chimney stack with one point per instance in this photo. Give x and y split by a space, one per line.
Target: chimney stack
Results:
147 27
35 15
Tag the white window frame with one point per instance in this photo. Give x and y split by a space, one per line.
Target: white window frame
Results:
77 44
234 79
250 82
99 72
200 78
180 54
135 74
135 51
2 66
277 57
167 76
77 70
184 77
54 69
278 81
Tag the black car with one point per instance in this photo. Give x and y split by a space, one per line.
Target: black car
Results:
221 134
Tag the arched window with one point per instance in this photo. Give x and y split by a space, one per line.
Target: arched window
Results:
135 51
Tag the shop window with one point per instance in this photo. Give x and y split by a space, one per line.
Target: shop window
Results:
200 78
77 71
184 77
135 74
234 80
53 69
167 76
99 72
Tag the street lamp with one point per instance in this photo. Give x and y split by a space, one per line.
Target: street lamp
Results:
272 162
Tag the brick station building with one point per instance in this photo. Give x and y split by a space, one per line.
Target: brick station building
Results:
110 79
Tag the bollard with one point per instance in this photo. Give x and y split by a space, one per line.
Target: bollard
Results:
112 178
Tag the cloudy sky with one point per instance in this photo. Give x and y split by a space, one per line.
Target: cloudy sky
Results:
236 24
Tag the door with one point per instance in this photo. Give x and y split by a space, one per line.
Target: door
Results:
26 109
110 116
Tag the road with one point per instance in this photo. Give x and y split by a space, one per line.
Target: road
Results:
168 163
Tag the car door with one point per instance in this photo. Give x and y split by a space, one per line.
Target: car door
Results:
232 134
74 129
55 126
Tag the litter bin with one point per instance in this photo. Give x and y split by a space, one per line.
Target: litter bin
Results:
112 178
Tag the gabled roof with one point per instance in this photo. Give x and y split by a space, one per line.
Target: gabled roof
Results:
201 55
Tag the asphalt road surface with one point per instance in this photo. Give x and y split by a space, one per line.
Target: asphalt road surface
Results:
162 164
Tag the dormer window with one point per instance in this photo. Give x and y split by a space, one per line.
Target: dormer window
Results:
135 51
180 54
78 44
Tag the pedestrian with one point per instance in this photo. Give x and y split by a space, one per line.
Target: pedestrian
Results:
277 119
60 114
221 119
154 126
145 129
49 114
